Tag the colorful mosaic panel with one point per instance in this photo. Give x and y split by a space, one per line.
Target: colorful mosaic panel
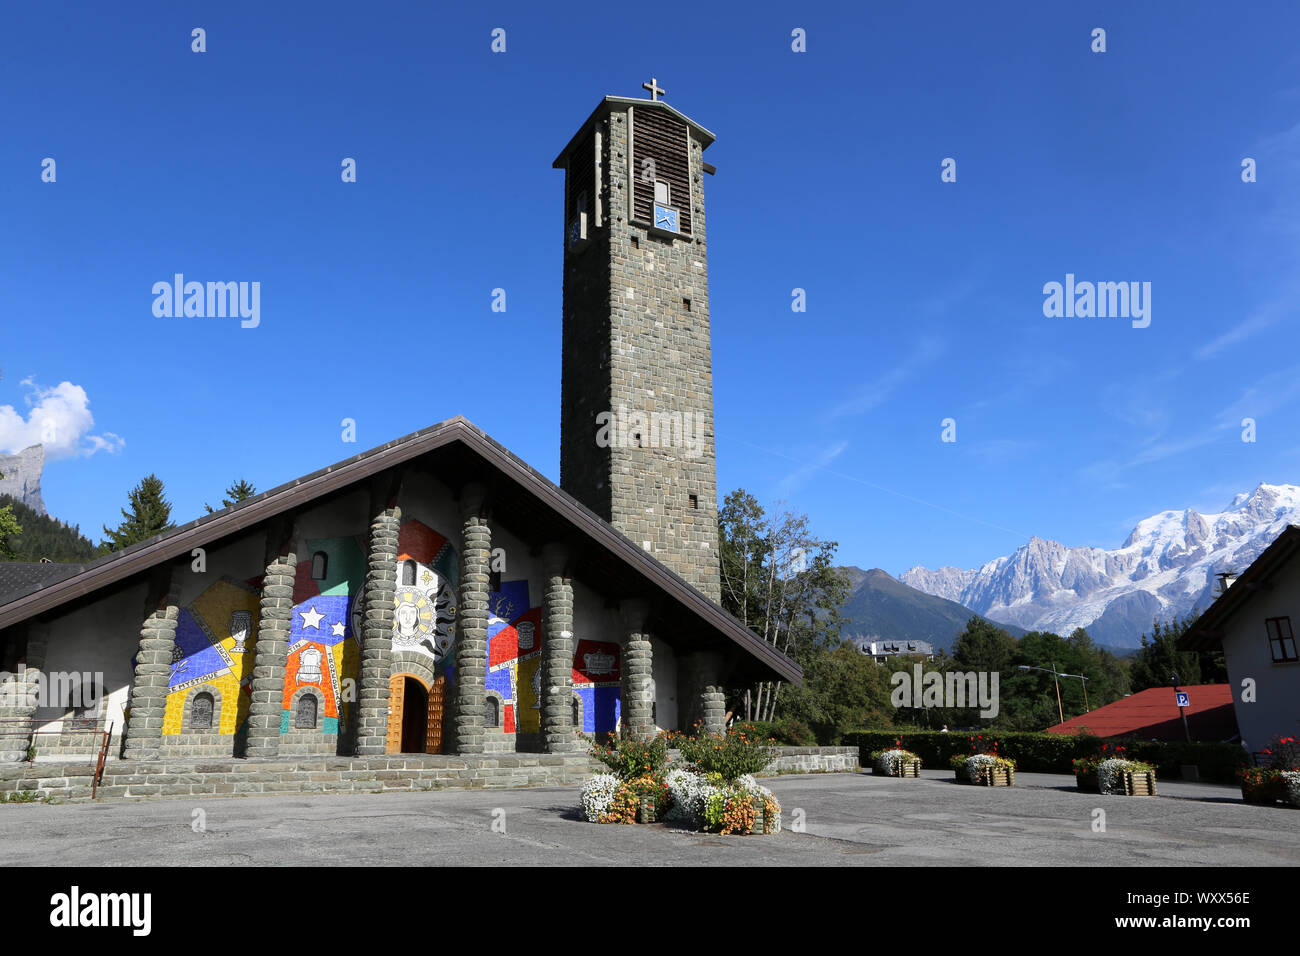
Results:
424 604
514 656
215 636
597 672
324 647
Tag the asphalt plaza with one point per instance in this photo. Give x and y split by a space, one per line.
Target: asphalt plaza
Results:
846 819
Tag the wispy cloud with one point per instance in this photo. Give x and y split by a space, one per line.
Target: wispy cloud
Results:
1272 392
889 491
873 394
1265 317
801 474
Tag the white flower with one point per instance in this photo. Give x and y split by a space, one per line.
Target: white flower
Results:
690 793
598 794
1110 774
889 761
1292 780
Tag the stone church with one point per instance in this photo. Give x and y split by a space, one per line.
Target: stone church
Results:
436 594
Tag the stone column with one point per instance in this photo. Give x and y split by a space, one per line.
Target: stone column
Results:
471 622
18 690
700 691
559 736
377 625
637 688
153 669
270 654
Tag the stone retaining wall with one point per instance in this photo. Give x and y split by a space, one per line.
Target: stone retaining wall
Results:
233 776
180 778
813 760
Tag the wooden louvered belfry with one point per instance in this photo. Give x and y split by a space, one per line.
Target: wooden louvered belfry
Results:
660 155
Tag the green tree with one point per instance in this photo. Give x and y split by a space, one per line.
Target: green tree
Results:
9 528
781 582
237 492
150 514
983 646
843 690
1160 657
46 538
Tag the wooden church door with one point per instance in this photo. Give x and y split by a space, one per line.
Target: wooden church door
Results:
396 697
437 701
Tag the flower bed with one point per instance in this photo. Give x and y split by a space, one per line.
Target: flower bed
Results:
896 763
1278 779
1130 778
990 770
711 792
984 765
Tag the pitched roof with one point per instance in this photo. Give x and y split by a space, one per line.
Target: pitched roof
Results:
1152 714
1208 631
21 577
457 452
706 137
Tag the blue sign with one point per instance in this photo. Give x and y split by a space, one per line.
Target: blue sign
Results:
1183 699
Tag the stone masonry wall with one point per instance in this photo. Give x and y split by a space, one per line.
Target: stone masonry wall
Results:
235 777
656 358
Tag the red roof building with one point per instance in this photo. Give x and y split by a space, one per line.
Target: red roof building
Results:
1152 714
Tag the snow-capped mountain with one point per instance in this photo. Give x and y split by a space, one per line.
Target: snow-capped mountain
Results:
1165 568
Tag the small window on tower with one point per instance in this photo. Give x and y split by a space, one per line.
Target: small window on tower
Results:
686 304
695 502
636 242
661 193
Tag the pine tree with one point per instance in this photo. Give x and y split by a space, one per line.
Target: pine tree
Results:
238 492
45 537
150 514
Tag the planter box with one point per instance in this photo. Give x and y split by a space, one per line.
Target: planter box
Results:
996 777
647 813
902 768
1087 783
1139 783
1265 792
764 822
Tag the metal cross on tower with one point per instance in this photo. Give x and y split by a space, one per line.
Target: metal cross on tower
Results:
655 90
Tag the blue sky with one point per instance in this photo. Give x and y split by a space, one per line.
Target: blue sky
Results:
924 299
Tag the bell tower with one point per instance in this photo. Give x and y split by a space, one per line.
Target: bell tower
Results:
636 419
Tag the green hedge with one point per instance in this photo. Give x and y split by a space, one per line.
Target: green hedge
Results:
790 732
1054 753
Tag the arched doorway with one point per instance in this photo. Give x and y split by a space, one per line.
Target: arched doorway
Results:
415 714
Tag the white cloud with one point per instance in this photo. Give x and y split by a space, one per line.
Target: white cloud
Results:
58 418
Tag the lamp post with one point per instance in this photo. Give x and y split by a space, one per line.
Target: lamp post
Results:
1086 708
1056 677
